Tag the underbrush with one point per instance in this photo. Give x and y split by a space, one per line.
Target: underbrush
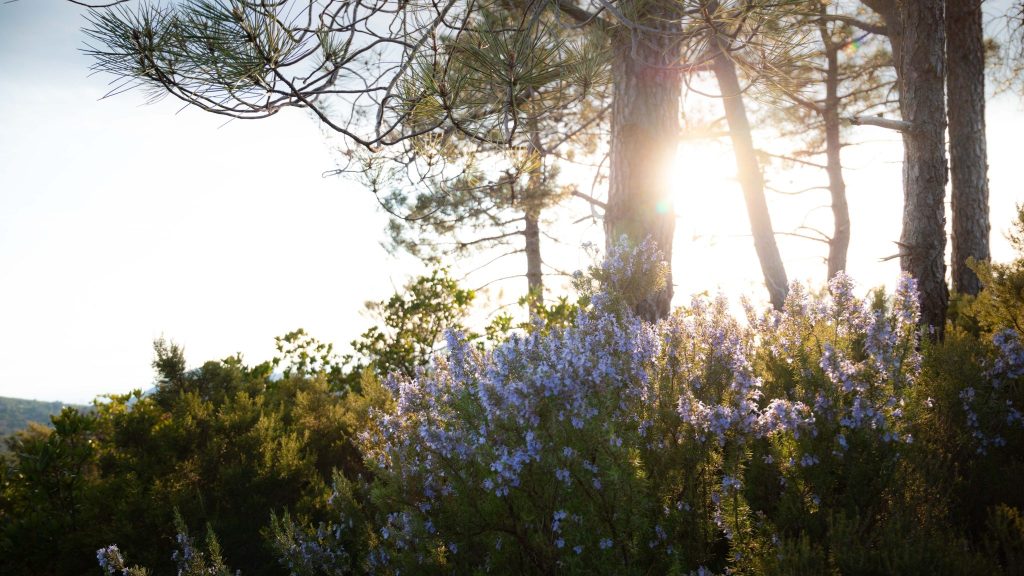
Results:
827 438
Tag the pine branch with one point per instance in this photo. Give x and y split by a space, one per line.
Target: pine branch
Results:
593 201
802 236
857 23
897 125
93 6
462 245
581 16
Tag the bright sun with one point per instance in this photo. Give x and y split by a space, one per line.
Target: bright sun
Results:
708 200
713 248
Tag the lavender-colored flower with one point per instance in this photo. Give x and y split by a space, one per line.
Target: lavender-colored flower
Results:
808 460
541 405
905 307
556 521
110 559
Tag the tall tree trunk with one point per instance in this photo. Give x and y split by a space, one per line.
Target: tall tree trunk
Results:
534 278
840 242
916 32
535 183
965 80
751 179
922 103
645 133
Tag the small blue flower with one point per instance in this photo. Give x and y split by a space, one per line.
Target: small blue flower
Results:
110 559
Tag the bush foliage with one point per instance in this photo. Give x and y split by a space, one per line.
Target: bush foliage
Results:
827 438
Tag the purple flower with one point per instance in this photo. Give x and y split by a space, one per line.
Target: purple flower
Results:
110 559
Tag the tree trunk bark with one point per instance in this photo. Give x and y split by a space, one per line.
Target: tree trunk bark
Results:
751 180
534 278
645 133
965 81
922 103
535 182
840 242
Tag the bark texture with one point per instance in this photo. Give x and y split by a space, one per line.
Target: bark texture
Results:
921 68
645 132
751 180
533 204
840 242
965 81
534 278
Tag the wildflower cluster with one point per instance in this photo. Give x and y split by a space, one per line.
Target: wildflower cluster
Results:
110 560
807 440
612 442
193 561
988 406
549 411
112 563
320 551
723 398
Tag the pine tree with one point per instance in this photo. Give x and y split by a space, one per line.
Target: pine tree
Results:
917 35
410 69
965 84
847 71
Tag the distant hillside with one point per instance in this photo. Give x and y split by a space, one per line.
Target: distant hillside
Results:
16 413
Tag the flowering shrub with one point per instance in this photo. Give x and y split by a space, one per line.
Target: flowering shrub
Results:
112 562
699 444
188 558
1000 412
823 438
967 420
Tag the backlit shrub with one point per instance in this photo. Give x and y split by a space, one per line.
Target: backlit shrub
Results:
699 444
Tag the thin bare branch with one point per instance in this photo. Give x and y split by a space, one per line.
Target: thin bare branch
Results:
897 125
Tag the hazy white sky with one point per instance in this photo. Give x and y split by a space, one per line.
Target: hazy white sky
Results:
122 222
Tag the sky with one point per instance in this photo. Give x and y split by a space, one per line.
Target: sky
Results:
122 221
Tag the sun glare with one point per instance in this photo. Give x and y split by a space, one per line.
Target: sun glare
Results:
708 200
713 249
